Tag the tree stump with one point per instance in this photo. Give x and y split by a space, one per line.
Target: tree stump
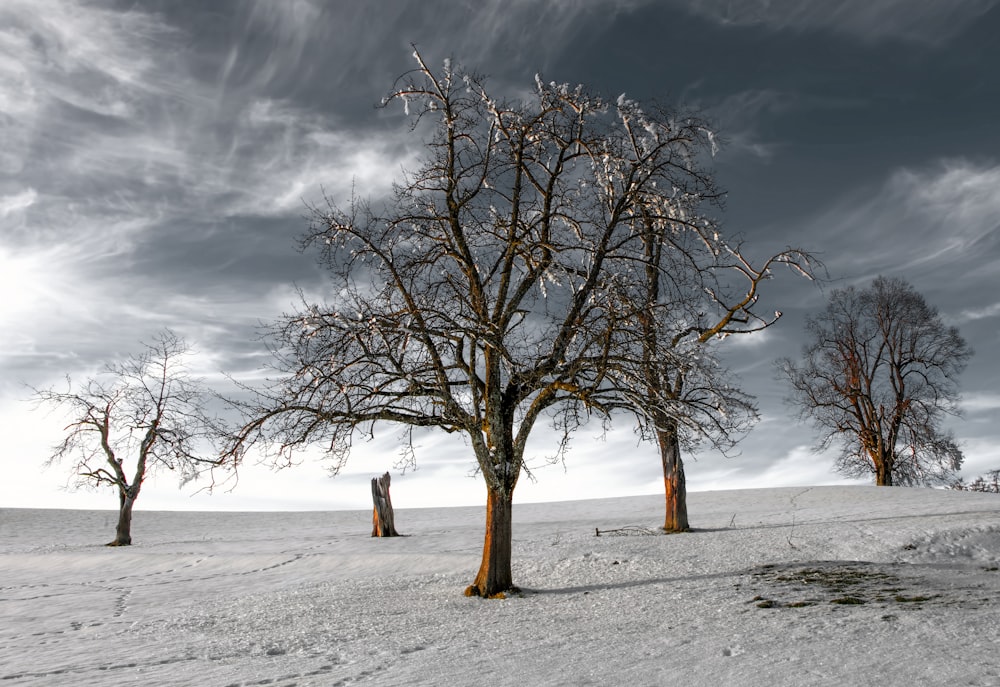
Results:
383 523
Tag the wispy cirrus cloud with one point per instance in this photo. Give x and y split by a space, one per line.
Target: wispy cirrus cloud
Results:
281 157
121 146
739 116
60 54
991 310
344 45
948 212
921 21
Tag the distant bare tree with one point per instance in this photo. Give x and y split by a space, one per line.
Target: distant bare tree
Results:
147 407
878 375
488 293
988 483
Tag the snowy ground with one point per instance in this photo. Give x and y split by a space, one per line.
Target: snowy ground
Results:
821 586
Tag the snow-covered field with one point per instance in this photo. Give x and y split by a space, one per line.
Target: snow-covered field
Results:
799 586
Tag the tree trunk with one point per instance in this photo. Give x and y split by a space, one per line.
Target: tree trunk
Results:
883 474
123 532
383 520
495 577
675 486
882 460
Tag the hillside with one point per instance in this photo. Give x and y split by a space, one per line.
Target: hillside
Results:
797 586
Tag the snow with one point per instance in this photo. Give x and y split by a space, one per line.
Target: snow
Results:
759 593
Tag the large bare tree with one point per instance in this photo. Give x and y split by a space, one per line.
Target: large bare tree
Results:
878 375
145 408
486 294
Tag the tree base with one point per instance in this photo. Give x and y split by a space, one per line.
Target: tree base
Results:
675 530
473 590
119 543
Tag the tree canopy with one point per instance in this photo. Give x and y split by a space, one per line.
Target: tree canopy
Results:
496 287
878 376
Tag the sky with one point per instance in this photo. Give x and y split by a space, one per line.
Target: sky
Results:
156 160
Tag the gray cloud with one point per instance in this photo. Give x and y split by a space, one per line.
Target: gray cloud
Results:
981 402
125 151
924 21
940 221
742 117
992 310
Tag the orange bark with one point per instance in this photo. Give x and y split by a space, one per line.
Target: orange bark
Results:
494 576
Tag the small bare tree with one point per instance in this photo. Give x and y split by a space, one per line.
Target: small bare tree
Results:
878 374
146 407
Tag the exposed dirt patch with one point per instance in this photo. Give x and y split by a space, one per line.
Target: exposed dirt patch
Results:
803 585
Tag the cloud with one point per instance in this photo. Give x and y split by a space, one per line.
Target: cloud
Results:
957 190
132 159
980 402
798 465
921 21
949 213
290 26
349 47
738 116
981 456
281 157
17 202
992 310
60 54
741 116
525 26
121 120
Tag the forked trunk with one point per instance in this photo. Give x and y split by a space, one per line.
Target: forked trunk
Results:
495 577
675 486
123 532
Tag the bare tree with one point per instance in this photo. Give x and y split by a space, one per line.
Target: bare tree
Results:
146 406
878 375
486 294
988 483
693 286
698 290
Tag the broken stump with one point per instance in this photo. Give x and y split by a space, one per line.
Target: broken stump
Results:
383 522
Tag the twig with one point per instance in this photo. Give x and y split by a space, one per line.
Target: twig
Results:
626 531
